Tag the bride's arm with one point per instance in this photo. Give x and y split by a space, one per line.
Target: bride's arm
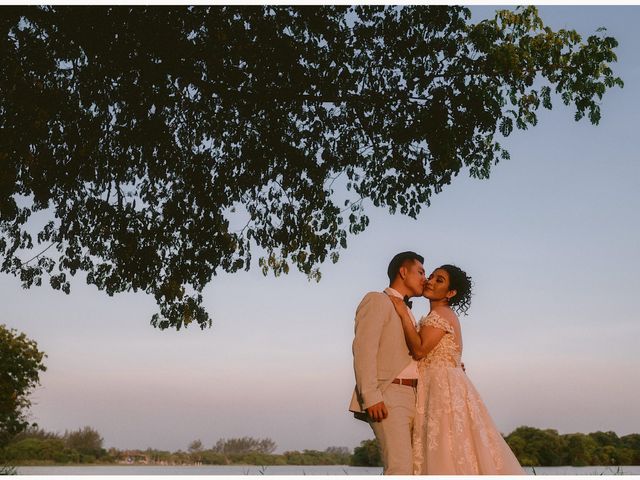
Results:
419 343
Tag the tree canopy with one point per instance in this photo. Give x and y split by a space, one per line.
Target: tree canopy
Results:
243 445
546 447
367 454
20 365
86 441
153 147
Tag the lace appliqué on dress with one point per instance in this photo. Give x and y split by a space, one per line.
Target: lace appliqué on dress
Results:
446 352
433 319
453 432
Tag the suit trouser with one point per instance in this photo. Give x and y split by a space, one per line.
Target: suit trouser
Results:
394 432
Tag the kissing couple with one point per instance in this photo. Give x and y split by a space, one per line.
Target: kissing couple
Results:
411 386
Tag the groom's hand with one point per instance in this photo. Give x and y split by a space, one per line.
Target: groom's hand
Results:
378 412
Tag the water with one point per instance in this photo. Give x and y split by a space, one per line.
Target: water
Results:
200 470
278 470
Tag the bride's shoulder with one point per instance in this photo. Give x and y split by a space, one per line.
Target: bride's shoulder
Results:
445 313
441 318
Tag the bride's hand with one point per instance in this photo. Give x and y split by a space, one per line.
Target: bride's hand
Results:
399 305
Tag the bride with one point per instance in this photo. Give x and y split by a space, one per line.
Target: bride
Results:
453 432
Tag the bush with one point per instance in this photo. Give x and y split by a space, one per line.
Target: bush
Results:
209 457
37 449
367 454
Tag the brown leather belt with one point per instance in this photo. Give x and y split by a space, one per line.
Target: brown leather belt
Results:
409 382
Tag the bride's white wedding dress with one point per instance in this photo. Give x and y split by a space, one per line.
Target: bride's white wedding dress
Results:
453 433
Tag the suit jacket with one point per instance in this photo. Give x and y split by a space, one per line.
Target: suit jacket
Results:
379 350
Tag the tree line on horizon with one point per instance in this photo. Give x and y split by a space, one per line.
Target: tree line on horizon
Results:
536 447
21 443
532 447
85 446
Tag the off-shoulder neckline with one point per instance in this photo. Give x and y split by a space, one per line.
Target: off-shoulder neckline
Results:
436 314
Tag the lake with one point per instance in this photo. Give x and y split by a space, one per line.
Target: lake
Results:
278 470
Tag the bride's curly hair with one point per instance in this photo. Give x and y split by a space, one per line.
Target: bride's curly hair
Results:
461 283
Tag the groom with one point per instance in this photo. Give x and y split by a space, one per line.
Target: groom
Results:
386 375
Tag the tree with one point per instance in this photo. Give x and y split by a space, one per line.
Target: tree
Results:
367 454
244 445
20 366
632 441
195 449
195 446
167 144
86 441
338 455
581 449
604 439
533 446
39 449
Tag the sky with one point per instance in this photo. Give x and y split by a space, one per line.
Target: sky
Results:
551 340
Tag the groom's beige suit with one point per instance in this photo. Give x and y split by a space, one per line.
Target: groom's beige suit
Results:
380 354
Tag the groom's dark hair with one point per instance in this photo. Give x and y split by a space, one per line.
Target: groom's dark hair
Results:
399 260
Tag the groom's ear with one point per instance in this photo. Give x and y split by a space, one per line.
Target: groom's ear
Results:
402 271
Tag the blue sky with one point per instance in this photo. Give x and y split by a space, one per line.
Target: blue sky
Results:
551 241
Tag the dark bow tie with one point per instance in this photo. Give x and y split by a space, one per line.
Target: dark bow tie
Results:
407 302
